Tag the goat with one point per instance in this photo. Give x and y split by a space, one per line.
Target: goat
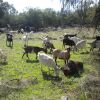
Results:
65 70
45 40
95 44
75 39
22 30
50 46
30 49
65 55
80 44
3 56
68 42
25 38
48 61
75 66
69 35
72 68
9 39
97 37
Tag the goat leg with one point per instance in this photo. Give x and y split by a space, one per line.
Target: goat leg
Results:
65 61
27 55
36 55
23 54
56 60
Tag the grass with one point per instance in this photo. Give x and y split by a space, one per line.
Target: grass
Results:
47 87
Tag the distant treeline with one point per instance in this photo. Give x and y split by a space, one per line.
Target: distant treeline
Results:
37 19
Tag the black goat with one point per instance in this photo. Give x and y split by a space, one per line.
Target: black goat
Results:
9 39
68 42
69 35
35 49
97 37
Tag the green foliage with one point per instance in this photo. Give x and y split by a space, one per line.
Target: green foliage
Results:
47 87
96 19
74 13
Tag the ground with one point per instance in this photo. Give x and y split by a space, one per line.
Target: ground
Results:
47 87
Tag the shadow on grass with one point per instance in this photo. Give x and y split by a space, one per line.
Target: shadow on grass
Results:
10 46
3 63
32 61
47 76
85 52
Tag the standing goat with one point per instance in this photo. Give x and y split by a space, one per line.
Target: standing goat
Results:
48 61
35 49
9 39
68 42
25 38
65 55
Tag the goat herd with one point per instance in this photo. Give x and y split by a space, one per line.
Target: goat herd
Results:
70 67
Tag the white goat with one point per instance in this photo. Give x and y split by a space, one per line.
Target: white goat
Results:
75 39
3 57
80 44
48 61
45 40
25 38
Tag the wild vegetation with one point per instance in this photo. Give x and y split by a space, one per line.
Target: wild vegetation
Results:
23 79
85 13
37 84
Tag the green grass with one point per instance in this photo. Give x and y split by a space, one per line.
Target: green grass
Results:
45 89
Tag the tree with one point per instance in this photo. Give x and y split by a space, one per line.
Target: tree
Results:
96 19
81 6
5 11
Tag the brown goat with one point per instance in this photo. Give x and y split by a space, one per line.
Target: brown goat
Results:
65 55
65 70
73 67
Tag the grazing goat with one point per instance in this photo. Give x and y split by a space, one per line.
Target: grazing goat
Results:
45 40
65 55
75 39
68 42
48 61
73 67
80 44
35 49
95 44
3 57
65 70
50 46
